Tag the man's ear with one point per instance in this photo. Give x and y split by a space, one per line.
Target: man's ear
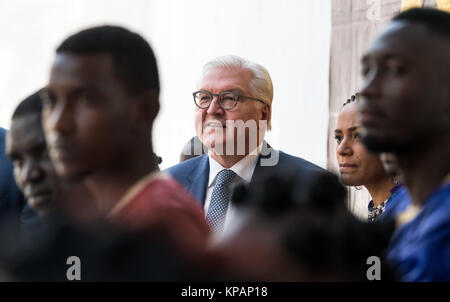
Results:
147 107
266 112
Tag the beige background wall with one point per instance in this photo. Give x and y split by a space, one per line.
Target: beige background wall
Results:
291 38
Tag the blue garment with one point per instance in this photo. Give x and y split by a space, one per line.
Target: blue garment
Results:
193 174
12 201
32 228
420 250
18 222
397 203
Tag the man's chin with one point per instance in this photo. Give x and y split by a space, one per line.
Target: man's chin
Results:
71 172
45 212
210 141
379 145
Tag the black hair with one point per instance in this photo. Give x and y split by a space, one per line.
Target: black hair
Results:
435 20
134 60
31 105
352 99
316 228
285 190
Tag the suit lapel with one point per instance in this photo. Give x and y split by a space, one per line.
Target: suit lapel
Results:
261 170
199 179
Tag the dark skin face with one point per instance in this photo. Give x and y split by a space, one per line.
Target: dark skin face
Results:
357 166
406 90
33 170
89 117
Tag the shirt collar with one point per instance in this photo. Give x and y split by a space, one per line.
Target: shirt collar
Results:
244 168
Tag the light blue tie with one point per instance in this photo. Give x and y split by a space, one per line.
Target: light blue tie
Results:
220 198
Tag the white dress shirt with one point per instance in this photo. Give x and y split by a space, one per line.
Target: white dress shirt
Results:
244 169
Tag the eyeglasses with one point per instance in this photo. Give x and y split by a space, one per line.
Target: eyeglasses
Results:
227 100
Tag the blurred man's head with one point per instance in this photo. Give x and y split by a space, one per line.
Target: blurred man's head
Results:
193 148
101 100
292 229
33 170
406 91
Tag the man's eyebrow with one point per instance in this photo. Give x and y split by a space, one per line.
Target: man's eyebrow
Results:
86 88
49 90
395 56
337 131
77 91
236 90
39 146
35 146
12 154
386 56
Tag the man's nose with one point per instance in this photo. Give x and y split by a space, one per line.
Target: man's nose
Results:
60 119
371 84
31 172
214 107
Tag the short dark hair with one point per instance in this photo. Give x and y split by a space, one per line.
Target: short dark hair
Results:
354 98
134 60
435 20
31 105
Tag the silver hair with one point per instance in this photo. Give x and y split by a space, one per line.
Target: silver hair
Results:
261 85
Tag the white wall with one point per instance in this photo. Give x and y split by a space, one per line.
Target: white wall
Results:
291 38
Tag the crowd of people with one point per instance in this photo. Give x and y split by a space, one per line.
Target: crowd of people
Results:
79 175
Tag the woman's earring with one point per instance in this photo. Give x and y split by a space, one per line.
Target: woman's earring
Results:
396 180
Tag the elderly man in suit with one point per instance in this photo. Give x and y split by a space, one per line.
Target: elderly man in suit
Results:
233 112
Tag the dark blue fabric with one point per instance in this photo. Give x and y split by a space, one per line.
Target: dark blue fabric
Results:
17 219
32 228
193 174
420 249
397 203
11 199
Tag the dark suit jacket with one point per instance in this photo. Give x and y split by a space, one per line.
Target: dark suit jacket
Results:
193 174
11 199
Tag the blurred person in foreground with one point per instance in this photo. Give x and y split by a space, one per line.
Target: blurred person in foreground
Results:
192 149
405 110
12 202
400 198
46 194
98 111
297 228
